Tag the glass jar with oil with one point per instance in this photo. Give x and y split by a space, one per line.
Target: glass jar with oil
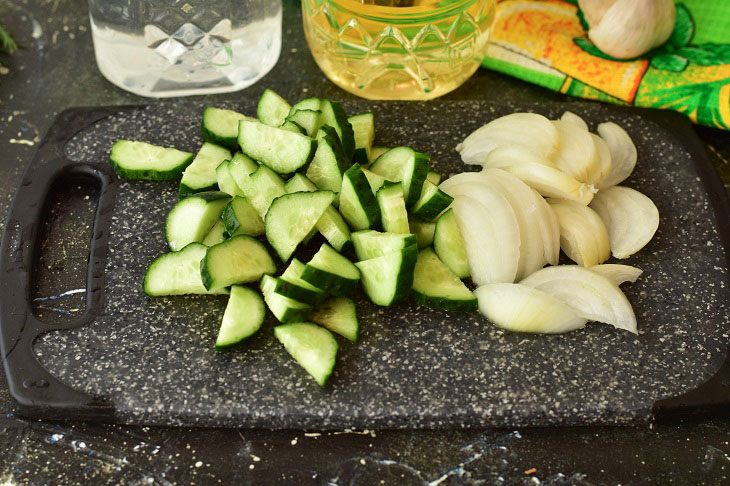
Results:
398 49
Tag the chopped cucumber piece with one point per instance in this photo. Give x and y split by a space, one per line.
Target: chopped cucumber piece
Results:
376 181
221 127
331 272
226 183
281 150
329 162
424 232
309 120
244 316
333 115
432 201
434 178
363 127
291 126
357 202
291 285
200 175
140 160
266 185
393 214
373 244
389 278
240 259
272 108
241 218
177 273
338 315
291 217
217 234
313 104
192 218
299 183
283 308
376 152
403 164
449 244
313 347
434 285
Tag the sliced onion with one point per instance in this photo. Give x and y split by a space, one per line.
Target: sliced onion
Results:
577 155
491 236
630 217
571 117
623 153
521 308
583 236
529 130
604 160
591 295
617 273
541 176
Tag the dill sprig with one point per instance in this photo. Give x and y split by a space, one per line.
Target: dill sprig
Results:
7 43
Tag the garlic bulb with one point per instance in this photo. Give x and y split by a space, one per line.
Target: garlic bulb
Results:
628 28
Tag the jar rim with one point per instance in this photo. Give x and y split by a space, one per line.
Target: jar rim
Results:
401 14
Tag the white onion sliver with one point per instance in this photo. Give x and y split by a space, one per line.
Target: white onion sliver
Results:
630 217
604 159
583 236
571 117
617 273
591 295
529 130
623 153
521 308
491 236
577 155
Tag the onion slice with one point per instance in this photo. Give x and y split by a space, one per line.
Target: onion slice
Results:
591 295
604 160
538 173
571 117
521 308
491 236
577 155
529 130
617 273
630 217
623 153
583 236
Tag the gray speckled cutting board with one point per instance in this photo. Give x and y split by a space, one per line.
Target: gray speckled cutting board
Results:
414 367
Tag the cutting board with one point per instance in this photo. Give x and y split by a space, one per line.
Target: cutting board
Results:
133 359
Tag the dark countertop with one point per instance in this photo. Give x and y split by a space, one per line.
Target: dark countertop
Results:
56 70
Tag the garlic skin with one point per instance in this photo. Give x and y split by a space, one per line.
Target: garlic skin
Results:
629 28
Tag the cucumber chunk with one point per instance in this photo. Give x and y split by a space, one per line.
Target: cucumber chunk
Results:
272 108
241 218
376 181
389 278
140 160
433 177
373 244
435 286
393 214
200 175
376 152
221 127
292 217
283 308
178 273
332 114
363 127
329 162
432 201
217 234
291 285
281 150
291 126
313 104
244 316
313 347
238 260
309 120
357 203
424 232
338 314
403 164
265 186
331 272
192 218
225 180
449 244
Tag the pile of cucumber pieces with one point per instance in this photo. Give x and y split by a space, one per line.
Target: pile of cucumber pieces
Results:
293 172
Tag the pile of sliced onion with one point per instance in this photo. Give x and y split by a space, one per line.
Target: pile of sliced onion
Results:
511 232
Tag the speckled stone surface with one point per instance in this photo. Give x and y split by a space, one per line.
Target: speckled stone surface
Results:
414 367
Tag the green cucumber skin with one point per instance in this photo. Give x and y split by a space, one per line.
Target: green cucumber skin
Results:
442 303
300 294
186 191
369 203
231 143
422 166
434 206
150 174
360 156
330 283
404 282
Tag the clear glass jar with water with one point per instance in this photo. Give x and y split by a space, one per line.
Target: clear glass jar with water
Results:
163 48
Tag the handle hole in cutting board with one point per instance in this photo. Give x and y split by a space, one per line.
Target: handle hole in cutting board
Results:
59 278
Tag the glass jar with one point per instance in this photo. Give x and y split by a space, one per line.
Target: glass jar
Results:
184 47
414 52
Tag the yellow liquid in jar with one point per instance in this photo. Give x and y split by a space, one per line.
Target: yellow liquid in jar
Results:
414 52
